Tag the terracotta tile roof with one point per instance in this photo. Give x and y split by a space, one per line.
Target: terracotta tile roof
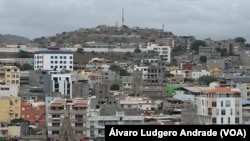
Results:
222 90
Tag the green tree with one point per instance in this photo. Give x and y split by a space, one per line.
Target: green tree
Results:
196 44
176 49
116 68
115 87
206 79
203 59
168 74
26 66
240 40
137 50
128 53
79 50
23 54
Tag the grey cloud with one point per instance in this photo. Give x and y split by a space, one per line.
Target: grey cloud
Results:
218 19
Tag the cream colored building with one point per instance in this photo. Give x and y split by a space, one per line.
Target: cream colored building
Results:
10 75
10 108
164 51
8 131
220 105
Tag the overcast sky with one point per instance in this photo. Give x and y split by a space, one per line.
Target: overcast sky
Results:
216 19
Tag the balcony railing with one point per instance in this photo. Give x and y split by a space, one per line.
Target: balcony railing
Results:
53 127
56 111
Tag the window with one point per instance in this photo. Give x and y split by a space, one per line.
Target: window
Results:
79 116
57 124
214 104
221 120
79 124
227 103
55 132
213 120
237 120
237 111
223 112
228 120
221 103
51 57
55 116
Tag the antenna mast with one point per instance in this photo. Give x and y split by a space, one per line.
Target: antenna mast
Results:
122 16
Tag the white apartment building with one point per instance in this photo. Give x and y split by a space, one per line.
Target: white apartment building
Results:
62 83
96 124
9 90
219 106
53 60
164 51
197 74
78 116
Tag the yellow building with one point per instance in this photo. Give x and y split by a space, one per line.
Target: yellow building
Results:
10 75
83 72
8 131
216 71
10 108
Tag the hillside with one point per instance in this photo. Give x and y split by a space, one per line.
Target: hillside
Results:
13 39
83 58
105 34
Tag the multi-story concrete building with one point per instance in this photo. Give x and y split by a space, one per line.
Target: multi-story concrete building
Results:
10 75
78 116
8 90
219 106
9 131
53 60
148 79
96 124
10 108
58 81
164 51
184 42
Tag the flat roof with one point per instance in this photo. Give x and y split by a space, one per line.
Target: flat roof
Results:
54 52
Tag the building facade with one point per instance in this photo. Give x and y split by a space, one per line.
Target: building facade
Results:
96 124
10 108
53 60
10 75
78 116
219 106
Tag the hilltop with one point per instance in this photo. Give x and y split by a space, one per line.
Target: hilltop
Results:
13 39
105 34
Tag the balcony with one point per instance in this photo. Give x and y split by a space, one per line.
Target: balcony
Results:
84 119
79 128
55 120
56 111
78 112
54 128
